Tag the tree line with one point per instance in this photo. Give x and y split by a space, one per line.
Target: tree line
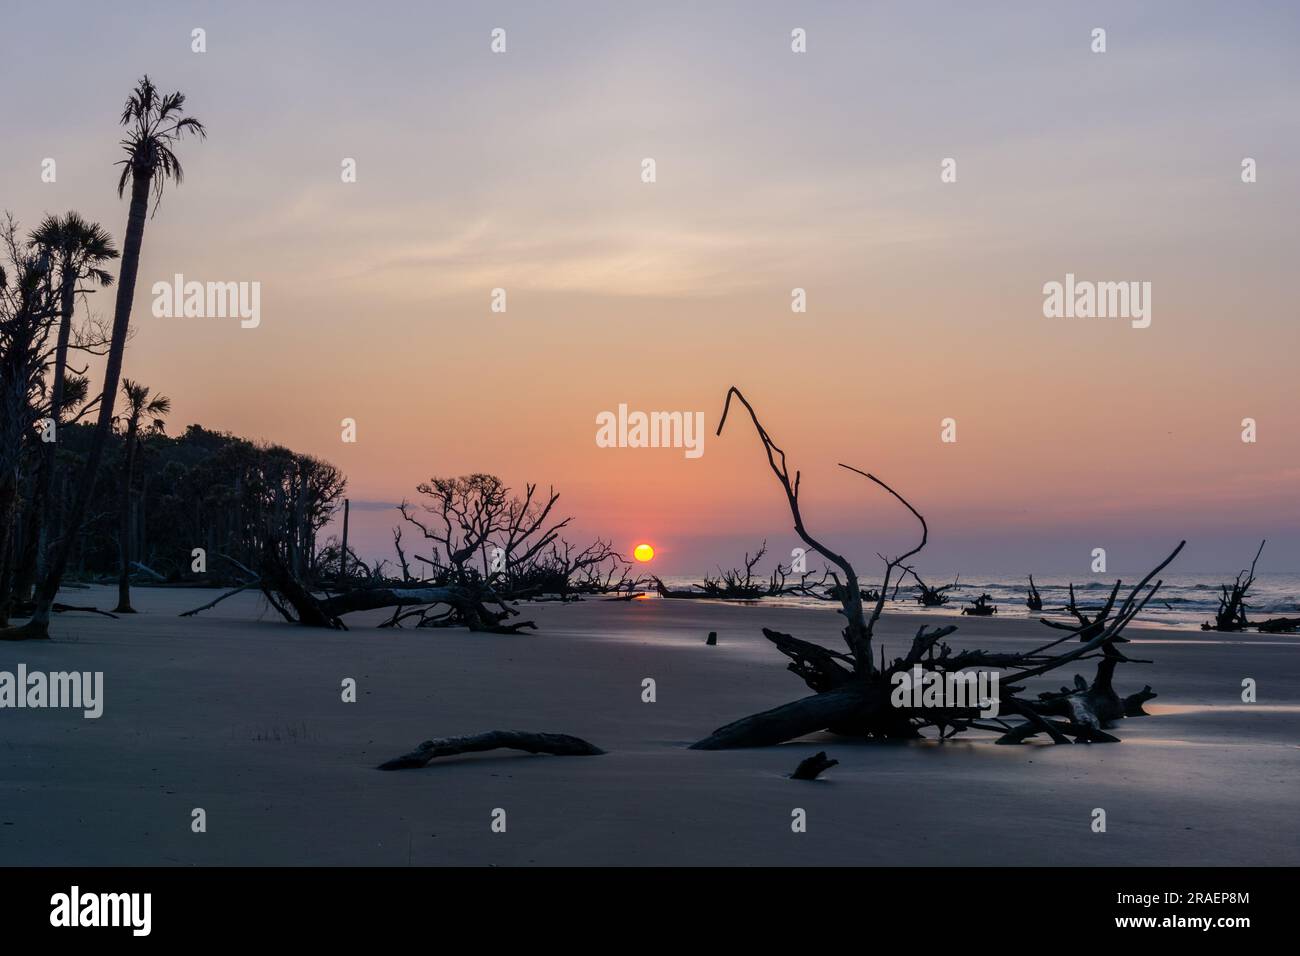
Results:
89 481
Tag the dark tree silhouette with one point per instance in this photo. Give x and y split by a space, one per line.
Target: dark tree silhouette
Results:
78 251
154 123
28 307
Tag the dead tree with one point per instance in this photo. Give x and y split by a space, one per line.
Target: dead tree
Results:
566 573
1034 600
434 605
931 597
480 537
737 584
1231 615
744 585
852 691
1088 626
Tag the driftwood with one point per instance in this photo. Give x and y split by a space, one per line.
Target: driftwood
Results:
665 591
60 608
927 596
853 692
981 607
1087 627
560 745
743 585
846 705
467 605
215 601
1033 600
1279 625
27 608
1231 615
810 768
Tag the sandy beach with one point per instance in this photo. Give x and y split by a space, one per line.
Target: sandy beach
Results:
239 713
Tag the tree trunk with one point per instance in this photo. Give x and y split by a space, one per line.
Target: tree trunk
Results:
851 703
8 496
343 556
124 534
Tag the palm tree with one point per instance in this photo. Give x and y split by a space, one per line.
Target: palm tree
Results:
77 250
154 123
138 404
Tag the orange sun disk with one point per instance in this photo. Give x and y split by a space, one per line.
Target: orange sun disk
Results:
643 552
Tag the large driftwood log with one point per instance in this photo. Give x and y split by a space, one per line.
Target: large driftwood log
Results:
849 704
469 609
559 745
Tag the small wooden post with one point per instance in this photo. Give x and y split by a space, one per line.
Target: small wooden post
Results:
343 557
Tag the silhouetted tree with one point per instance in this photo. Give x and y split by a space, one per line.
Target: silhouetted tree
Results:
78 250
28 306
154 123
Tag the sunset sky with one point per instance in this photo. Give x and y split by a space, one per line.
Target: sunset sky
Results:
775 170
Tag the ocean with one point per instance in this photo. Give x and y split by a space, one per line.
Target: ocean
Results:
1183 601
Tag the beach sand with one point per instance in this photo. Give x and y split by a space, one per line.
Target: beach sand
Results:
239 713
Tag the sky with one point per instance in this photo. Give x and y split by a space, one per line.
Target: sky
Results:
774 170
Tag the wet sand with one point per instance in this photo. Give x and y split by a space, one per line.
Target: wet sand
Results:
239 713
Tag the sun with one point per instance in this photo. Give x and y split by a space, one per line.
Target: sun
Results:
643 552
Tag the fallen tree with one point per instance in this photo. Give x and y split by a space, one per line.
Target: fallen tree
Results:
852 692
487 549
436 605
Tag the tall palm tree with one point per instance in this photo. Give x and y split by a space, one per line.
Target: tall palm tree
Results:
78 250
139 404
154 123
